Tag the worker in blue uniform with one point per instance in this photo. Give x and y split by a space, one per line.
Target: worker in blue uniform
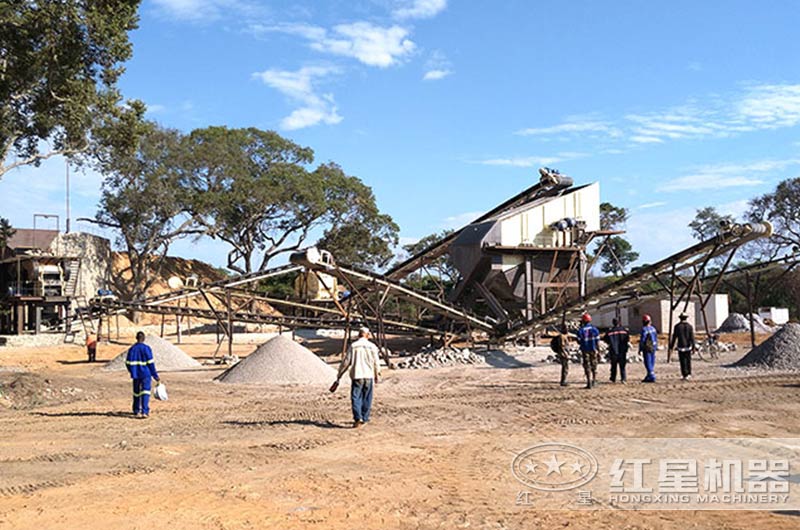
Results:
142 367
648 344
589 339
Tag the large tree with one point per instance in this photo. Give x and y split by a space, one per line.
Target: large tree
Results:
60 61
143 202
616 253
253 190
707 223
781 208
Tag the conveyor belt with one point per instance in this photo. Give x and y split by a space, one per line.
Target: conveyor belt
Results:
692 257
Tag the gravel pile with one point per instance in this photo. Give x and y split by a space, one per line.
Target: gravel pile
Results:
280 360
779 352
438 357
168 357
738 323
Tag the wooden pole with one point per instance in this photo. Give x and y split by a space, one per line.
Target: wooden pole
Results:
230 321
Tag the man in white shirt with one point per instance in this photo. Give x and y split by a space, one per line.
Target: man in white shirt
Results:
364 364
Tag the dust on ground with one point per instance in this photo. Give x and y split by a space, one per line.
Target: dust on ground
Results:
436 454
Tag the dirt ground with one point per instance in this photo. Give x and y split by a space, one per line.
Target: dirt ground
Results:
436 454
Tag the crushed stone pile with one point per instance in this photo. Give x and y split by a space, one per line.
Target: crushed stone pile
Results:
168 357
779 352
738 323
431 357
280 360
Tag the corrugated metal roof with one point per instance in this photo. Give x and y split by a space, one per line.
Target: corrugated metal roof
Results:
27 238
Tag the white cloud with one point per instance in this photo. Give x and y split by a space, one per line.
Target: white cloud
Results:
771 106
727 175
437 67
299 86
658 233
435 75
200 11
368 43
532 161
753 107
649 205
524 161
568 127
420 9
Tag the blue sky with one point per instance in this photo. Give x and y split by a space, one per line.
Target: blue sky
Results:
447 107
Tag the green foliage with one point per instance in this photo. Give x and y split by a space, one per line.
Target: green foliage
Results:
142 200
251 189
441 266
59 66
617 253
782 209
612 217
6 233
622 249
707 222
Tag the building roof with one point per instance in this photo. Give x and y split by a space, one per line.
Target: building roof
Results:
27 238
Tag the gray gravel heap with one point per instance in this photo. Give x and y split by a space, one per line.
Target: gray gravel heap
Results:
437 357
280 360
168 357
779 352
738 323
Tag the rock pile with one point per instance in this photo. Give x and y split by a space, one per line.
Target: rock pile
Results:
437 357
280 360
168 357
779 352
738 323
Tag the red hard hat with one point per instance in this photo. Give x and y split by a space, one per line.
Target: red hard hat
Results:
586 317
646 318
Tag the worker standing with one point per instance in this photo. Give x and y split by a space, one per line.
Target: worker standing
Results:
91 347
618 340
589 339
559 346
142 367
364 366
683 335
648 344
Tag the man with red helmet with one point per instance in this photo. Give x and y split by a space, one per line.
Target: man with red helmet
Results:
589 339
648 344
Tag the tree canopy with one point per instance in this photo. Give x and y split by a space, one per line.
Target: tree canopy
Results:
781 208
59 66
253 190
707 222
616 253
143 201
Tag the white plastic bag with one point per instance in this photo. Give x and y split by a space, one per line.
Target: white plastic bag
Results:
161 392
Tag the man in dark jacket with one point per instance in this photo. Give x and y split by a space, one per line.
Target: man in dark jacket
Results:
142 367
618 340
683 336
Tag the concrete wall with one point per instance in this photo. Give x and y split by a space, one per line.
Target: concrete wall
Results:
659 312
716 312
96 260
779 315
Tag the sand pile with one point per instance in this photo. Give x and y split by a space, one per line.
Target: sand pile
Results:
280 360
168 357
738 323
779 352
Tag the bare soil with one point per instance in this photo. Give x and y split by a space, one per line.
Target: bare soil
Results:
436 454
